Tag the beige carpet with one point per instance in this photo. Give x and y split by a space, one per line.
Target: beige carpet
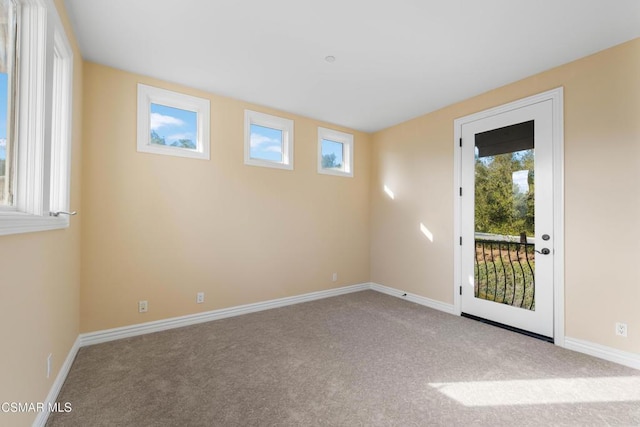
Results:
353 360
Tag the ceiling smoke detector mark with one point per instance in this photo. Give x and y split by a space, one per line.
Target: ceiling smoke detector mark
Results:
330 58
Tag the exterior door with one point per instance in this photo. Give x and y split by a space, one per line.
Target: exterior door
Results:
507 252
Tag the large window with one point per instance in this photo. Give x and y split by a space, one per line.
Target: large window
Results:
268 140
335 152
35 117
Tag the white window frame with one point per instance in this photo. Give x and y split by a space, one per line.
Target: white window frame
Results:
148 95
273 122
346 139
42 122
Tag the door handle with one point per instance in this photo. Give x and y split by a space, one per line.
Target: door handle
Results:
544 251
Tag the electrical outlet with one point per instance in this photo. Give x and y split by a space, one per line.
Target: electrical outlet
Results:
200 297
142 306
334 277
621 329
49 360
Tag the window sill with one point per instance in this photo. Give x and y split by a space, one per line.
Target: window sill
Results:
334 172
16 223
268 164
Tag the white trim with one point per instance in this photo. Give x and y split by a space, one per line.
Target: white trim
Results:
42 417
107 335
19 222
62 98
457 217
427 302
273 122
192 319
148 95
33 102
346 139
625 358
556 96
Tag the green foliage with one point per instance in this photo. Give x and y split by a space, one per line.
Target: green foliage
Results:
182 143
157 139
501 207
329 161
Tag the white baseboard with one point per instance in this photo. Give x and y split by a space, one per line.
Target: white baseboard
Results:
427 302
625 358
192 319
631 360
43 416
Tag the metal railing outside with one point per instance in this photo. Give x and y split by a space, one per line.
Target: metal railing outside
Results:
505 271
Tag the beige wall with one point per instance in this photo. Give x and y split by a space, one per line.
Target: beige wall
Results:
40 290
162 228
602 201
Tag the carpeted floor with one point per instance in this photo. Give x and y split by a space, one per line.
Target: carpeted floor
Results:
358 359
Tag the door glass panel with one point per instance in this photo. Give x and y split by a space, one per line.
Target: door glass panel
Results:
504 265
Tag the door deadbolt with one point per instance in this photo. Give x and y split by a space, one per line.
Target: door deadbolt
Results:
545 237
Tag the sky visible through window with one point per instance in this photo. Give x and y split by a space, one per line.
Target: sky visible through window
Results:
173 126
4 103
332 154
3 116
521 181
266 143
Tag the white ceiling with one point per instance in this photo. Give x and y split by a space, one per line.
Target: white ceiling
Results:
395 59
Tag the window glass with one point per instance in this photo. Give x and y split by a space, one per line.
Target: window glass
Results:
266 143
335 152
173 127
7 55
332 155
3 135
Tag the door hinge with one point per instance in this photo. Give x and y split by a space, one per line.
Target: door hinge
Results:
461 191
460 240
460 290
460 142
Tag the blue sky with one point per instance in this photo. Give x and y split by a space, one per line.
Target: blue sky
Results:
521 179
331 147
173 123
3 114
266 143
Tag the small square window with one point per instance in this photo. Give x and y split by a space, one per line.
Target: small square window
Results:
266 144
268 140
172 123
173 127
335 152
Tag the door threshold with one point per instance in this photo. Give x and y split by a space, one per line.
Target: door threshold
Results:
509 328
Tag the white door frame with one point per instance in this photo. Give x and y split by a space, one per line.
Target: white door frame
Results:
556 97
